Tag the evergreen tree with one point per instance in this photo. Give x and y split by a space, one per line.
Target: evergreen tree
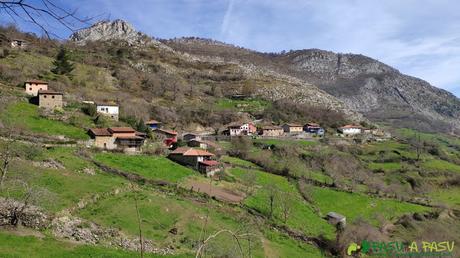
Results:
61 64
141 127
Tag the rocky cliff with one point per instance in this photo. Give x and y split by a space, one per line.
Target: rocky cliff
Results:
379 92
107 30
354 84
376 90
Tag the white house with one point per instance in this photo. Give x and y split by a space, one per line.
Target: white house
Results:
248 128
351 129
234 130
111 110
18 43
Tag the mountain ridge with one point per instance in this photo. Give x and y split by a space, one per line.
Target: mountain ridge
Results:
364 85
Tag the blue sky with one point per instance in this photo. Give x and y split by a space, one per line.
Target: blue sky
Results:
418 37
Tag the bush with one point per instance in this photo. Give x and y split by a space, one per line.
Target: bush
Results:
89 109
285 110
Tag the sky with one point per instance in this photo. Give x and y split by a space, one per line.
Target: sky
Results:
418 37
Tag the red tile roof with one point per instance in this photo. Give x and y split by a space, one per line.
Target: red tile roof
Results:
121 130
131 137
209 162
191 152
272 128
171 132
293 125
50 92
141 134
99 132
352 126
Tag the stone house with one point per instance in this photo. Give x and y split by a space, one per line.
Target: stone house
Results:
120 138
203 144
248 128
18 43
110 110
234 130
50 99
336 219
169 137
209 167
189 156
102 138
313 128
348 130
33 86
191 136
292 128
272 131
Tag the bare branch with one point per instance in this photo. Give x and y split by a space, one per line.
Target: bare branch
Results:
39 13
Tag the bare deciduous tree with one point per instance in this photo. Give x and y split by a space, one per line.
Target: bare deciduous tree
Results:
272 192
7 153
235 235
41 12
25 195
249 180
139 221
286 205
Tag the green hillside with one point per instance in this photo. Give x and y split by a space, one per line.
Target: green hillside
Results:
98 202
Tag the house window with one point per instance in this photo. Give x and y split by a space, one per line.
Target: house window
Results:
30 88
52 97
44 96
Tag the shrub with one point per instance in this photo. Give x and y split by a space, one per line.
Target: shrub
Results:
89 109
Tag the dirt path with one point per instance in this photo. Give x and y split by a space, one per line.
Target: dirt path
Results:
219 193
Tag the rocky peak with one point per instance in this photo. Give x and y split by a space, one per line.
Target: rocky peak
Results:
328 65
111 30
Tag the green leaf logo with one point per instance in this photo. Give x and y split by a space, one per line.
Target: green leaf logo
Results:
365 246
353 247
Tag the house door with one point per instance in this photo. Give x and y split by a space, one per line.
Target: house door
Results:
105 145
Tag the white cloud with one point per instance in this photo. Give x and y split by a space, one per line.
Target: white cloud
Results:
418 37
226 19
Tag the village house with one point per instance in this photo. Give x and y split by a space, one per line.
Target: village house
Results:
19 43
272 131
349 130
110 110
234 130
336 219
33 86
169 137
313 128
153 124
248 129
292 128
196 158
50 99
203 144
120 138
241 129
190 136
209 167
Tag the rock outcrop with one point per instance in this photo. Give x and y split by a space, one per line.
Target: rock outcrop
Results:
362 84
15 213
115 30
376 90
80 230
